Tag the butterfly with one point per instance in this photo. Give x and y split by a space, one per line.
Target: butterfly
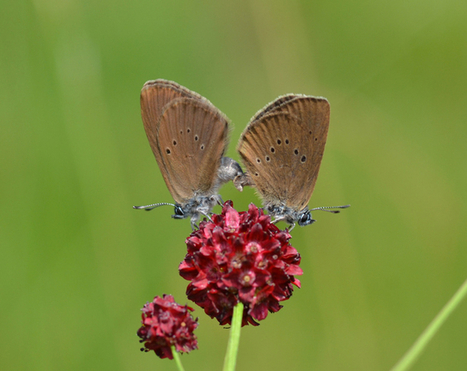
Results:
282 148
188 136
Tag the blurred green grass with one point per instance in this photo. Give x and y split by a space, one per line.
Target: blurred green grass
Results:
78 263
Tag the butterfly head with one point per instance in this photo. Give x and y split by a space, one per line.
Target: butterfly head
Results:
304 218
179 213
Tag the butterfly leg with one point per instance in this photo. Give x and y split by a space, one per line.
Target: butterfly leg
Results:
282 218
206 215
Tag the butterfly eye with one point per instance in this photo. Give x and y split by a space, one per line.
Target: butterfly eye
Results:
178 210
305 219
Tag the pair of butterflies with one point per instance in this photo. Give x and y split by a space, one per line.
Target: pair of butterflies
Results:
281 148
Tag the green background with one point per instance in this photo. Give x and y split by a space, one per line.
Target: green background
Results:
77 262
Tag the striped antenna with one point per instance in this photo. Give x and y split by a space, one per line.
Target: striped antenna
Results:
153 206
325 208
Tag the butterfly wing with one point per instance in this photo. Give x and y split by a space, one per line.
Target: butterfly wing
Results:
273 106
282 149
191 137
314 111
155 95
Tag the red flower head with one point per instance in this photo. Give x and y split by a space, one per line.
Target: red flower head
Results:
240 257
166 323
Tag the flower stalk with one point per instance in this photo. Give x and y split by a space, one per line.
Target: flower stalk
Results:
234 338
177 359
406 362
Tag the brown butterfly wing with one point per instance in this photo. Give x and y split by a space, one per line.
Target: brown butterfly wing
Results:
268 108
191 139
155 95
289 143
314 111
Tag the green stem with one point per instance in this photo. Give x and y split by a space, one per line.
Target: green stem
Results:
177 358
412 354
234 338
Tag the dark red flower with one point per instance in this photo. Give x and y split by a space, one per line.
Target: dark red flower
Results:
240 257
166 323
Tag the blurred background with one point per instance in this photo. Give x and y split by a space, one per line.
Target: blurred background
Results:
77 262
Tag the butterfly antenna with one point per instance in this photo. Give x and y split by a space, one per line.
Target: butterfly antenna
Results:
153 206
327 208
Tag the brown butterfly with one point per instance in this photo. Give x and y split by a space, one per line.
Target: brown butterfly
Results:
282 148
188 136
